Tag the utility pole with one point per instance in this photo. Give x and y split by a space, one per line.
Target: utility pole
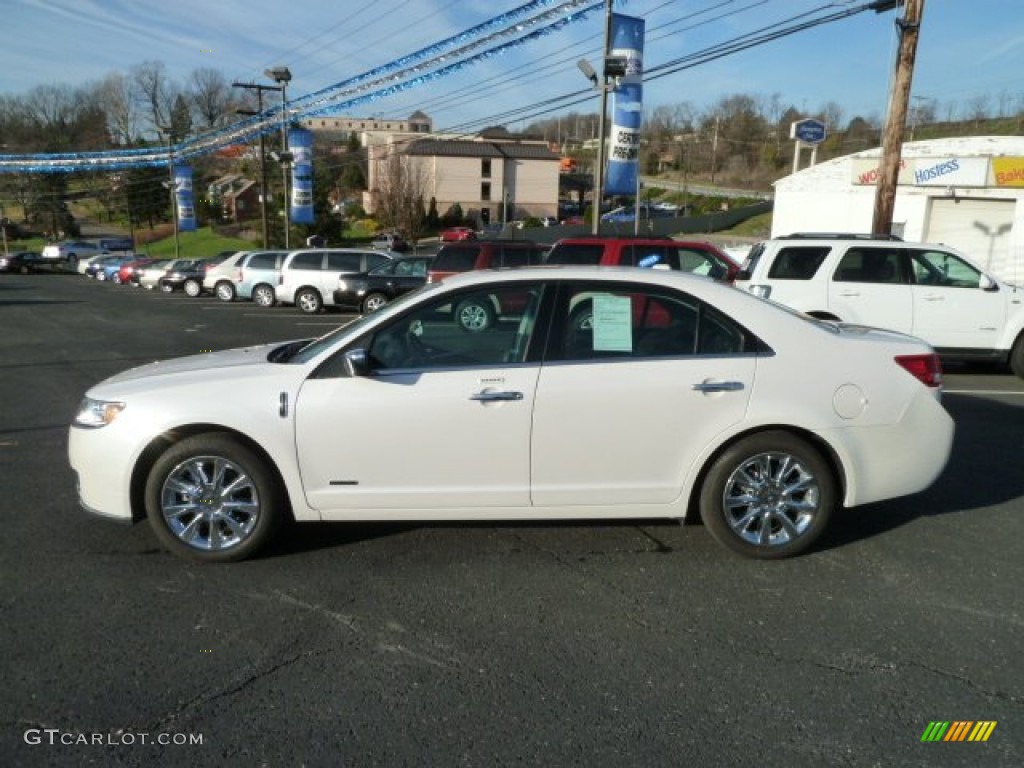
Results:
892 138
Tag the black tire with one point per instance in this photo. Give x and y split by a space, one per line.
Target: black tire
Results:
1017 357
116 278
373 302
166 288
474 315
101 275
308 300
72 262
263 295
224 291
224 473
192 288
791 493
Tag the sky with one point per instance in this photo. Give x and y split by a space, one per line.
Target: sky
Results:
968 50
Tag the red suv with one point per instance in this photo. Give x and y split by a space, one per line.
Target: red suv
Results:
478 313
484 254
695 256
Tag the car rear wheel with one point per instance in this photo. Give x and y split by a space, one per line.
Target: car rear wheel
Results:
211 498
193 288
373 302
225 291
474 315
115 278
309 301
263 296
1017 357
768 496
101 275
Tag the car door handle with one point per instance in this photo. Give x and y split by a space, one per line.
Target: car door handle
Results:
933 297
849 293
718 386
490 397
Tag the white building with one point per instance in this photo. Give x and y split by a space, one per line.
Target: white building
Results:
966 192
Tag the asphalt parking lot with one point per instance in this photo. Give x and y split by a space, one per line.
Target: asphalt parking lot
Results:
480 645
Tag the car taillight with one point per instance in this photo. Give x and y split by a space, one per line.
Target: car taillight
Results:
925 368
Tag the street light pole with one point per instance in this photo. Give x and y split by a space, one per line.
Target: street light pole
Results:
263 150
282 76
172 186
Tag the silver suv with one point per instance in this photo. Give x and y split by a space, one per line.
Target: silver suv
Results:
930 291
309 276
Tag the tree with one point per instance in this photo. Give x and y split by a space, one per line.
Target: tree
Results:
211 97
398 196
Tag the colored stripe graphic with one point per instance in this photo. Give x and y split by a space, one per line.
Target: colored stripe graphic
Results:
959 730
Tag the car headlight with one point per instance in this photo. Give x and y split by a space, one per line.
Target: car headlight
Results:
94 414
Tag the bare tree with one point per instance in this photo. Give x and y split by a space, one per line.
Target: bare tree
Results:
211 97
154 93
401 183
114 93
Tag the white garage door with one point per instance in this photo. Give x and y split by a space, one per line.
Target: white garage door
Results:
979 228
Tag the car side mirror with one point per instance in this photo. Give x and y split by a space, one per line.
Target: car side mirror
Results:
357 363
986 283
743 274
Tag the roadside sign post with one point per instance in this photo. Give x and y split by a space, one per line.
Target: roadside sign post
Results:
806 133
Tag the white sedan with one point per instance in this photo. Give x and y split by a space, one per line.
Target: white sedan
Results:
597 393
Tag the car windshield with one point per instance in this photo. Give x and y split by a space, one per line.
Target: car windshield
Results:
307 352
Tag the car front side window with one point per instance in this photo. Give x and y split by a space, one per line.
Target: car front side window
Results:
435 335
945 269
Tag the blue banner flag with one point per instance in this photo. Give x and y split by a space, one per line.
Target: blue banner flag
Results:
627 41
183 200
300 144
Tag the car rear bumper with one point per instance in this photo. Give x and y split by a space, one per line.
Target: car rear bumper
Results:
892 460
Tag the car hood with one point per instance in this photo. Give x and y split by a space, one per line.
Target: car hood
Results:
208 362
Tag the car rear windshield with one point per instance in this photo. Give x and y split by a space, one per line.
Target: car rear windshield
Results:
576 254
455 258
797 263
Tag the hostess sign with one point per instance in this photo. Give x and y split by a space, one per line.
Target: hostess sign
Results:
928 171
808 131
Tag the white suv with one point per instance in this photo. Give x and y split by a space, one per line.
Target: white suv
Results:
929 291
309 276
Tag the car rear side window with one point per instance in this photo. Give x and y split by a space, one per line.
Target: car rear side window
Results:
520 257
262 261
797 263
455 258
869 265
344 262
374 260
307 261
576 254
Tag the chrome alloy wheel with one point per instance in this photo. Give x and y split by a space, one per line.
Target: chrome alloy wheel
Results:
210 503
771 499
474 317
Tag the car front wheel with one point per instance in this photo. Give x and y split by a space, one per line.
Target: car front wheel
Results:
263 296
373 302
768 496
309 301
210 498
225 291
193 288
166 288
